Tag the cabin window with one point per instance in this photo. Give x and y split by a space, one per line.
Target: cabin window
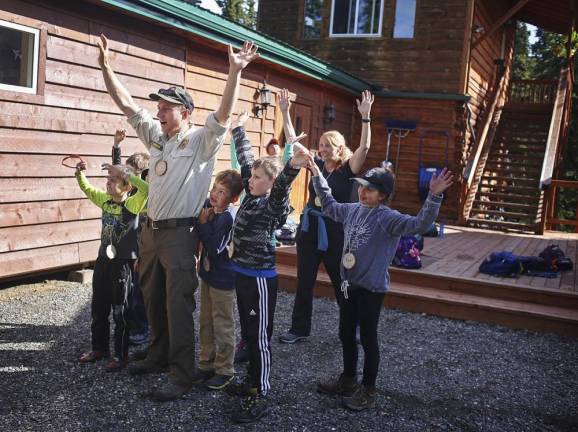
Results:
356 17
312 23
404 24
18 57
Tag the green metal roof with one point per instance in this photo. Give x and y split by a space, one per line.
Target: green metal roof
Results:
206 24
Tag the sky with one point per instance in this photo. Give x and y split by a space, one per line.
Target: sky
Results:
211 5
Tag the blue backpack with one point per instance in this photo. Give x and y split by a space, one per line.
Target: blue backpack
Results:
502 264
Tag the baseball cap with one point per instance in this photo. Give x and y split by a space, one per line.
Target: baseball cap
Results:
377 178
176 95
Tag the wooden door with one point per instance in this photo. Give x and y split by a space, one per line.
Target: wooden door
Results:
302 121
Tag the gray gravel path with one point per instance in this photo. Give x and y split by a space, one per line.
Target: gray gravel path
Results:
436 375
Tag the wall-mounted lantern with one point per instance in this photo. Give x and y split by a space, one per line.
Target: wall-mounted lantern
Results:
328 113
264 99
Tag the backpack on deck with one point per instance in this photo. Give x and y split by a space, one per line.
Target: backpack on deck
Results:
407 254
555 259
502 264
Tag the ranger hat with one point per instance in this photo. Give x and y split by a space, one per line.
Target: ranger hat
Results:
176 95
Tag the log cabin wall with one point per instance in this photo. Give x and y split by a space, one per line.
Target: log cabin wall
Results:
481 72
45 221
432 61
432 117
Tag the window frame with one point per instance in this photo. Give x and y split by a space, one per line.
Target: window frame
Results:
354 35
394 21
36 59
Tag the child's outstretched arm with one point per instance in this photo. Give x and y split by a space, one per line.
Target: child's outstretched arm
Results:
245 156
278 203
329 206
395 223
137 202
97 196
239 122
119 136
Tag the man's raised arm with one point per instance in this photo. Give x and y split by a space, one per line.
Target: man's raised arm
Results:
116 90
237 62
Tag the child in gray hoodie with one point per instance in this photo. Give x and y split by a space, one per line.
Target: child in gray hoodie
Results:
372 231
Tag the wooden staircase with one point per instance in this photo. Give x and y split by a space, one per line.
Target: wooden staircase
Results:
459 298
508 195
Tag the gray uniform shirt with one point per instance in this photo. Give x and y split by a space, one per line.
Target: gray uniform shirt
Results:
190 157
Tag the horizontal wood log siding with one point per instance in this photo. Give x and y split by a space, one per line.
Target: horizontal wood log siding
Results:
482 69
430 62
45 222
430 116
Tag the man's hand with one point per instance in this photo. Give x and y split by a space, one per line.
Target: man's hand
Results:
439 184
240 120
119 136
104 54
364 106
283 100
80 166
206 215
300 157
239 60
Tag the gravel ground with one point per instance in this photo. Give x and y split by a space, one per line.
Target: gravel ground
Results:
436 375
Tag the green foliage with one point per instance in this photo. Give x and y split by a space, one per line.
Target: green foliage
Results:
548 56
242 12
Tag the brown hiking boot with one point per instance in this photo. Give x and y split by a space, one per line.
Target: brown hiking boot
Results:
362 399
342 386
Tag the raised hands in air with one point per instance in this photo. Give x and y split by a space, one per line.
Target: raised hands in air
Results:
439 184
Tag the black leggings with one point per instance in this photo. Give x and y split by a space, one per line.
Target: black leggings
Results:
308 260
363 307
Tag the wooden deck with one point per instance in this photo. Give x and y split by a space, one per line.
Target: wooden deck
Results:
450 285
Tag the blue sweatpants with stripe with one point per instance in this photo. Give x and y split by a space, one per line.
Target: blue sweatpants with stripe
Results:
256 300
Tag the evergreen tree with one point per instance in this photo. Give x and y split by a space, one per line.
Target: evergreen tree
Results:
523 64
240 11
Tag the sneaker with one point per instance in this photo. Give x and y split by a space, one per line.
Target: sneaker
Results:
168 392
342 386
362 399
290 338
218 382
115 365
202 375
138 338
92 356
252 409
241 352
145 367
240 387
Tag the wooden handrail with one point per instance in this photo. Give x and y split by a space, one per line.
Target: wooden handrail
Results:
557 127
551 217
532 91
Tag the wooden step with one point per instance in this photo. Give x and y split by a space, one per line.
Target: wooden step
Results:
459 305
501 224
505 171
512 179
509 196
496 160
505 204
505 214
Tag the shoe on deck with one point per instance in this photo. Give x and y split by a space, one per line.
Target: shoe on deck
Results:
251 410
342 386
202 375
362 399
170 391
290 338
218 382
115 365
241 352
92 356
141 354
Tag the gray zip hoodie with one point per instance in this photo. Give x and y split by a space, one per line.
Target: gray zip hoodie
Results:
373 234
